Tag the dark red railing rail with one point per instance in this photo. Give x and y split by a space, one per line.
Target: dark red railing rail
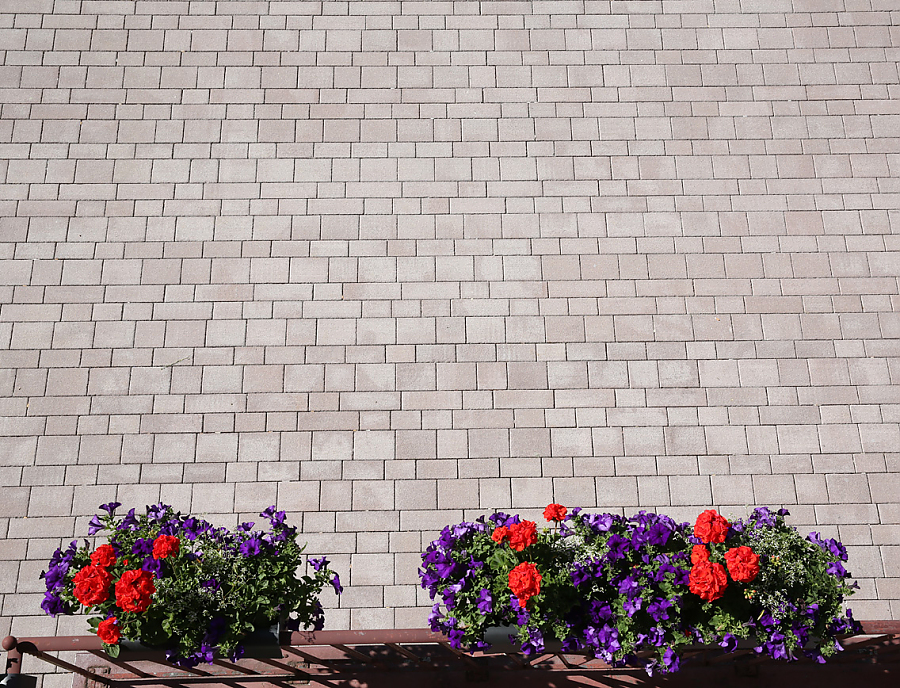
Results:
419 658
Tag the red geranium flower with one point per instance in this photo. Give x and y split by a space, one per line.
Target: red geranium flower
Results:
165 546
699 553
522 535
525 582
103 556
108 631
711 527
134 590
743 564
555 512
92 585
708 580
500 534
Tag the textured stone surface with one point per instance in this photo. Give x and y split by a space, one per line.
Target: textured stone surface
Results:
393 264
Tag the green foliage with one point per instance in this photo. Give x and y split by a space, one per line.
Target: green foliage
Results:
210 592
630 590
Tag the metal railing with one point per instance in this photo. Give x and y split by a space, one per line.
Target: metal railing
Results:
420 658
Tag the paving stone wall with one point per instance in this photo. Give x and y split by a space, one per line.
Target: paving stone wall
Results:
394 264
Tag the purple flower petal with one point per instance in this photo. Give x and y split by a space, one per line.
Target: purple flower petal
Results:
95 525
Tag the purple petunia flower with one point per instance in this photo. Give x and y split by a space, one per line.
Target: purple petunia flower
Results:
55 575
206 653
95 525
157 512
446 568
455 635
336 583
571 645
251 546
276 518
130 522
449 598
111 507
434 618
659 534
583 572
608 636
318 564
600 522
154 566
762 516
498 518
639 538
628 586
534 644
729 643
171 527
521 613
815 655
53 605
658 609
775 646
656 636
633 605
600 611
188 662
670 659
190 528
485 601
142 546
682 576
835 568
618 546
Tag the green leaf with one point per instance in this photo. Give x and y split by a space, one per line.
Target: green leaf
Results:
112 650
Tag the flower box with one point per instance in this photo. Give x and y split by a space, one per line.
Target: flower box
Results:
639 590
173 582
261 643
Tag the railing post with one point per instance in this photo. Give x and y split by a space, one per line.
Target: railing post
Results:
14 678
13 656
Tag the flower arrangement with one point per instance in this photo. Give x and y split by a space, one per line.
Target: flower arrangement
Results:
500 571
177 582
632 591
